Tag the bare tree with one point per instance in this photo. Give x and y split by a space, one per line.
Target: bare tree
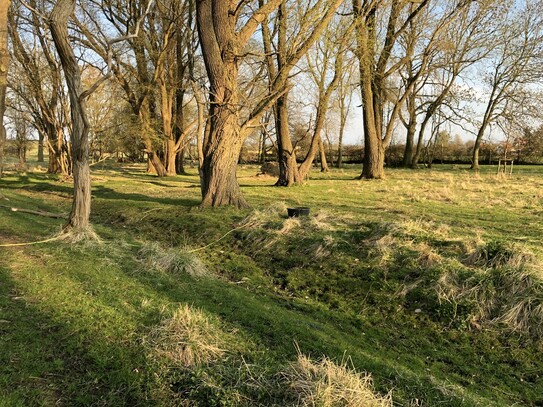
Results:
154 69
4 63
290 46
79 218
380 64
329 61
39 86
514 65
457 51
376 66
223 36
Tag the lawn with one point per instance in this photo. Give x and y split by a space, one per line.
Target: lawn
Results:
430 281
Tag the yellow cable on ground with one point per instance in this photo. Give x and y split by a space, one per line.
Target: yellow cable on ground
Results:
58 237
29 243
216 241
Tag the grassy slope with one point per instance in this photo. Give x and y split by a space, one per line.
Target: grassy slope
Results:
74 319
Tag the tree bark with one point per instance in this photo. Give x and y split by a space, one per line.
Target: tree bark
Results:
476 149
324 161
411 129
78 220
288 166
4 63
221 46
41 159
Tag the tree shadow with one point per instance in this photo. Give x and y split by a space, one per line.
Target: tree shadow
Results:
283 325
106 193
46 361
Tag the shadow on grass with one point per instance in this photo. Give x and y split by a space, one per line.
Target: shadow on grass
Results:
46 361
101 192
279 324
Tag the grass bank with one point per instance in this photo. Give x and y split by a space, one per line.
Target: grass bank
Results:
429 281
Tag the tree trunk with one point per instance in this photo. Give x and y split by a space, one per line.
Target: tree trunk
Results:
4 63
262 148
339 162
170 157
223 138
78 220
476 149
288 167
420 142
59 160
374 158
411 129
409 147
221 153
41 159
324 161
180 161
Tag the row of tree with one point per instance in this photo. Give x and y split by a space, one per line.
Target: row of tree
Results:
157 74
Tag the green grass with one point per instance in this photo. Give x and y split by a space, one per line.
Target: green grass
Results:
380 272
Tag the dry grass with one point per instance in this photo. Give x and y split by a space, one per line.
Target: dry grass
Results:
327 384
188 338
387 239
174 260
506 287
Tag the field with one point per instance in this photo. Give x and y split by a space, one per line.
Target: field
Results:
429 281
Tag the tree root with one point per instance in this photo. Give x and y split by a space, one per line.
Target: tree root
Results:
70 234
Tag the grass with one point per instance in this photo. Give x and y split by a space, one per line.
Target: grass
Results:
430 282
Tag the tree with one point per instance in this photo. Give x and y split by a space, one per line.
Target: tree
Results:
344 100
290 46
38 86
458 49
223 36
153 69
513 66
375 57
4 63
380 64
79 218
328 60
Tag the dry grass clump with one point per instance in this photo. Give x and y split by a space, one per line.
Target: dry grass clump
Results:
174 260
260 218
499 254
265 227
409 229
189 338
324 220
387 239
514 297
327 384
427 256
323 249
509 289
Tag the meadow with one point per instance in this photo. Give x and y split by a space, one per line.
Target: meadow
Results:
422 289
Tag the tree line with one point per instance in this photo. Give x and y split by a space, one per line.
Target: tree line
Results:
155 77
